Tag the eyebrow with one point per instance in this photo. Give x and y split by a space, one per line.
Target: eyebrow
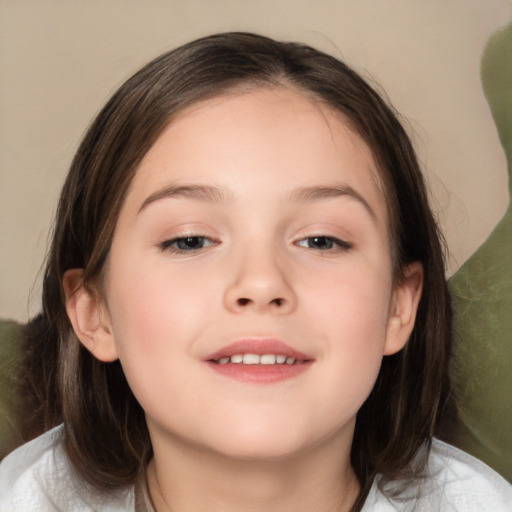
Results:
311 194
208 193
215 194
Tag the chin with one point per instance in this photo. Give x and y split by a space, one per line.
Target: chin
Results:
261 441
261 450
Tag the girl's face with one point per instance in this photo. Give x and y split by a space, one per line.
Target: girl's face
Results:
255 226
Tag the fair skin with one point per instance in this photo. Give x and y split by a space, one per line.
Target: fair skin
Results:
255 217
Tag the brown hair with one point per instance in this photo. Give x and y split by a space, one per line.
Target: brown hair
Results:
63 382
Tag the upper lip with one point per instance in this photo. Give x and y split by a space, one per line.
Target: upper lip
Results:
259 346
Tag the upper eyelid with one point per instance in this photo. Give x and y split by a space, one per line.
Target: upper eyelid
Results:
189 233
340 241
192 234
168 245
180 236
322 233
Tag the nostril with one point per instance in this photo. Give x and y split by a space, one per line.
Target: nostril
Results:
243 301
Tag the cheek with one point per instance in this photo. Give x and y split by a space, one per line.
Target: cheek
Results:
354 305
155 322
151 303
350 315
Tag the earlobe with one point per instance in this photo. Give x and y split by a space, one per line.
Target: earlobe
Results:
89 318
404 305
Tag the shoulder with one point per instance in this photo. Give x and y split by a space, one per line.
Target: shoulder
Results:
453 481
28 471
38 477
466 481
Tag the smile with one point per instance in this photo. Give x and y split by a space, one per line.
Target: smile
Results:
259 361
267 359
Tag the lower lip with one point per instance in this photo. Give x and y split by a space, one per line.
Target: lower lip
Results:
260 373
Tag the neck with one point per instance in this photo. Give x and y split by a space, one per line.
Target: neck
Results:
184 478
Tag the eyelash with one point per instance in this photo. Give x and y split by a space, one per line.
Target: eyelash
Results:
172 245
335 244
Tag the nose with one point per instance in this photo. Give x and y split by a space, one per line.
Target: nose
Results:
259 283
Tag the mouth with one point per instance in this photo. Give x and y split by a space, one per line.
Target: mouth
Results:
265 359
262 361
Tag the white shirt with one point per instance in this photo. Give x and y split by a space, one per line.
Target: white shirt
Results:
38 477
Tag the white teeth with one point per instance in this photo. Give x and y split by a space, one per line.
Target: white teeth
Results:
268 359
251 359
238 358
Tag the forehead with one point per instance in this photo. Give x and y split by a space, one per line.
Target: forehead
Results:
279 136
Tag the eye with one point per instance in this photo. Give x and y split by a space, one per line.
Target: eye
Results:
186 244
324 243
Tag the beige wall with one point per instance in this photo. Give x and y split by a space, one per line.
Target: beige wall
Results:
60 60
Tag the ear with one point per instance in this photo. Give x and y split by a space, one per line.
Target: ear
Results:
89 317
404 305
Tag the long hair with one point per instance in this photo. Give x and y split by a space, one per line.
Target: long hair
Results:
63 382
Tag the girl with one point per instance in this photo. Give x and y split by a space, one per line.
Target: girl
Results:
244 303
